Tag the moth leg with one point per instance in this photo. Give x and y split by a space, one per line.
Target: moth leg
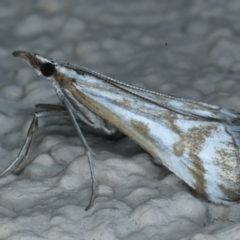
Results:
41 110
88 152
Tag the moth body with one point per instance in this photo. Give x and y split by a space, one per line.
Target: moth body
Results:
198 142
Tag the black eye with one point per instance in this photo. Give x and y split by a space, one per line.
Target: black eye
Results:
47 69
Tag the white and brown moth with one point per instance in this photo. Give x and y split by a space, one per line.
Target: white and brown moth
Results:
199 142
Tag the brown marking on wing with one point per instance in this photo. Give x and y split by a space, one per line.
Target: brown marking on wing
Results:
140 126
169 118
231 194
124 102
198 173
191 143
227 165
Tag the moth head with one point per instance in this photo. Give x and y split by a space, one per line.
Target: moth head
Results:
41 65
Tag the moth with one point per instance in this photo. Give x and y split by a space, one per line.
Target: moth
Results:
197 141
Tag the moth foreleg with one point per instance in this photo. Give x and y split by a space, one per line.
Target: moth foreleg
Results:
41 110
88 152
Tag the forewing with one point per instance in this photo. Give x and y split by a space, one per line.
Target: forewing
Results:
203 153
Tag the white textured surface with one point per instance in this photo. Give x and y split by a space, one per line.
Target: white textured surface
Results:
186 48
